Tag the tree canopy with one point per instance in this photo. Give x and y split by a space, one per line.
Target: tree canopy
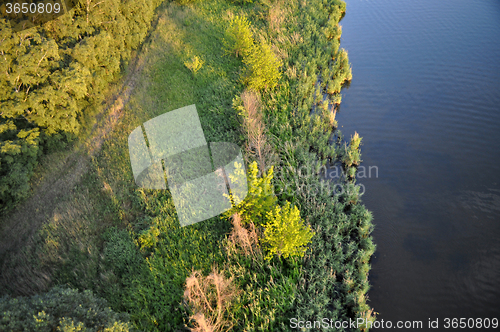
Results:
50 75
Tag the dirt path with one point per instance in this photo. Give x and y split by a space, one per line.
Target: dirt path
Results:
20 225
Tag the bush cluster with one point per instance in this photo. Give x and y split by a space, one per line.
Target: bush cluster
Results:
284 232
260 197
262 65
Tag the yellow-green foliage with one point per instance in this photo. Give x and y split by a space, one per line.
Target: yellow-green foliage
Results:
355 141
260 198
194 64
285 233
68 325
262 64
238 39
352 155
242 1
52 74
237 179
263 67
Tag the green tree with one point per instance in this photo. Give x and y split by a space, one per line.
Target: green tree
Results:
50 75
285 233
260 197
238 38
19 151
263 67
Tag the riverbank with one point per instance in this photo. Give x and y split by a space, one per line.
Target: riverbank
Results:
124 243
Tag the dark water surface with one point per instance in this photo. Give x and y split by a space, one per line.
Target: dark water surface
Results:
425 96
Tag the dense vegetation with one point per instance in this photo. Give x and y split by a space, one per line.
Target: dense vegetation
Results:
50 75
62 310
265 75
334 279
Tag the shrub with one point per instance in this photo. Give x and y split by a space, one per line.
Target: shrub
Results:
238 39
262 64
260 197
263 67
285 233
194 64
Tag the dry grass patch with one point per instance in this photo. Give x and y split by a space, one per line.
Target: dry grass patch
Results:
291 72
246 240
276 16
255 130
209 298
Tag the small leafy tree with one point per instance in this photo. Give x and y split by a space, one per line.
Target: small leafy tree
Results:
285 233
238 39
263 67
260 197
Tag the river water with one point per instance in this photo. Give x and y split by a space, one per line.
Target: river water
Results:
425 97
